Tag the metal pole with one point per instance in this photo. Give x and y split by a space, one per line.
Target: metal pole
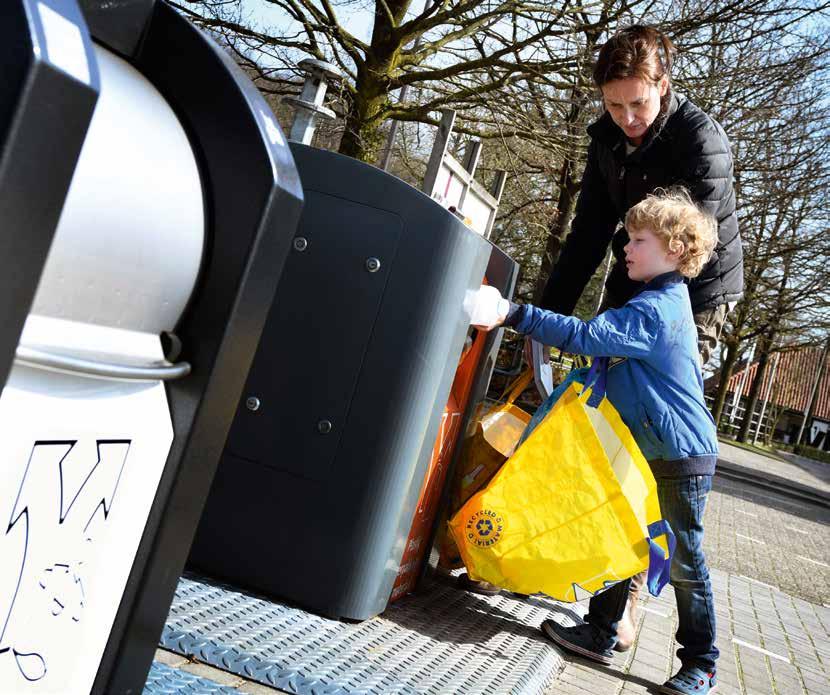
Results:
496 191
393 129
309 105
393 132
809 408
471 156
439 149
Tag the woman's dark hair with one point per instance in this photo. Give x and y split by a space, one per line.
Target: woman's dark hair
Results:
636 51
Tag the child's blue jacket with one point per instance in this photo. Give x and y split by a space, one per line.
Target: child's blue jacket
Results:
658 388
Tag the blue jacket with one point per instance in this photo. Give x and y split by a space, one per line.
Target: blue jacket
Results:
658 388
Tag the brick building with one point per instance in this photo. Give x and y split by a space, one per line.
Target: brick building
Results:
786 389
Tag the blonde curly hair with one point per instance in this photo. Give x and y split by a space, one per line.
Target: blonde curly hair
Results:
672 215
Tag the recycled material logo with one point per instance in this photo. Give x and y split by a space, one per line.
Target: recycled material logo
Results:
484 528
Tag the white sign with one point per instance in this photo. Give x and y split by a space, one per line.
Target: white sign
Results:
818 431
80 462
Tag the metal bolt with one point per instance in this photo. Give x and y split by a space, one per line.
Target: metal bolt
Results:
324 426
372 265
300 243
252 403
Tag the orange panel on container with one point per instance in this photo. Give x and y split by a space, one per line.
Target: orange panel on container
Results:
432 488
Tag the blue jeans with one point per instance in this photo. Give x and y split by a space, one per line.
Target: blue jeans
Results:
682 501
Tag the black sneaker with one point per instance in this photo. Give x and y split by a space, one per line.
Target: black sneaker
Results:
580 639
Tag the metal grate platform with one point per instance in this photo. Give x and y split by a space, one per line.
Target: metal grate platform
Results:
163 680
441 641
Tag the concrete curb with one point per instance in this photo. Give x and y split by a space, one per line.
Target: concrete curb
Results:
773 483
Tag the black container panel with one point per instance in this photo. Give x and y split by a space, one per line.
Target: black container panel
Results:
328 531
311 353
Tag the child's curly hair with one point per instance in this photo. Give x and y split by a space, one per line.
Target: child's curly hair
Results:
672 215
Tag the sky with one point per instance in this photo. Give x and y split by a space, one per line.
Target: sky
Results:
356 17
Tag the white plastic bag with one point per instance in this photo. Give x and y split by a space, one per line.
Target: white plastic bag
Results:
486 307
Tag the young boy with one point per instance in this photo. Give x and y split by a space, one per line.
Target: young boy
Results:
658 391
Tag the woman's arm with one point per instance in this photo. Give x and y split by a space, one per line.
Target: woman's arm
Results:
706 169
591 231
631 331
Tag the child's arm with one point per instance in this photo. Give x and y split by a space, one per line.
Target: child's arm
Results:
627 332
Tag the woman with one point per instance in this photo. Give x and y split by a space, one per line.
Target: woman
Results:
649 137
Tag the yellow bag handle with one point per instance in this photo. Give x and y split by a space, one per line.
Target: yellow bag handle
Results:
514 390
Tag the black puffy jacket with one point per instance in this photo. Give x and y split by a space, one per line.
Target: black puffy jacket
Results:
685 146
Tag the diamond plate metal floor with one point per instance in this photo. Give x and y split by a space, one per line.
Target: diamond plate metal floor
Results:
442 641
164 680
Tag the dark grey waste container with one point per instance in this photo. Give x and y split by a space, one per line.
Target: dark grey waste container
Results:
320 478
143 237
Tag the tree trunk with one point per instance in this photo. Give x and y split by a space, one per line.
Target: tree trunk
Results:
568 190
363 137
726 370
565 205
755 389
767 341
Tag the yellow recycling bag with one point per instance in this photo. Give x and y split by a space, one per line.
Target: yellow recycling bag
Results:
574 510
482 454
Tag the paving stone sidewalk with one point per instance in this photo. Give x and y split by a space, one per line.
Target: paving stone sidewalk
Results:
774 539
769 557
770 642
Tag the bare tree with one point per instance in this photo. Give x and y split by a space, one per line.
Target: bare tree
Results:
737 61
781 151
519 74
459 51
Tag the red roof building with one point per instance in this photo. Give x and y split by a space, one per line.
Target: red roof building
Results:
784 395
793 376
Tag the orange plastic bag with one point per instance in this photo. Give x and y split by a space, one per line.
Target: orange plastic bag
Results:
483 453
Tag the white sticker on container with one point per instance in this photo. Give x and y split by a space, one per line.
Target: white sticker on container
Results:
64 43
273 131
81 464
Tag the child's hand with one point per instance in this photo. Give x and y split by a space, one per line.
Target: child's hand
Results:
488 327
486 307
